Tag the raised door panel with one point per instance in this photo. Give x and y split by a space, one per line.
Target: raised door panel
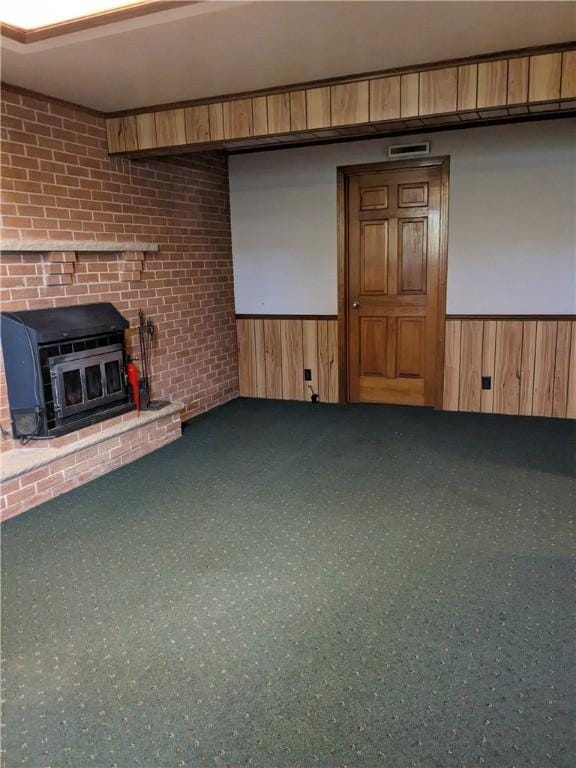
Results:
373 346
385 99
374 198
279 113
413 195
197 124
298 111
374 257
438 91
545 73
170 128
412 255
318 107
410 347
237 119
350 103
492 83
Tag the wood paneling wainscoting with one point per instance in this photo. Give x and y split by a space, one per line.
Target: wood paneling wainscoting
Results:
531 363
274 350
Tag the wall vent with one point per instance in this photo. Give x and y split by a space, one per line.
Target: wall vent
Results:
409 150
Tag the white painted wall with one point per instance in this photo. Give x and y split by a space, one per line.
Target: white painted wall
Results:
512 224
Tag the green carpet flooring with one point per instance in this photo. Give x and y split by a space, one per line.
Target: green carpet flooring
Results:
293 585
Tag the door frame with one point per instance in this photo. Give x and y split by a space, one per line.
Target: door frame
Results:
344 172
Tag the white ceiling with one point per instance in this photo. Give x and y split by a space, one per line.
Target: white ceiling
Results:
31 14
214 48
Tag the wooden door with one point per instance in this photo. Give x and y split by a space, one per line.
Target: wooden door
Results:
395 298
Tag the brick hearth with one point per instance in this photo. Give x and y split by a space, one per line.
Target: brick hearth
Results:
36 474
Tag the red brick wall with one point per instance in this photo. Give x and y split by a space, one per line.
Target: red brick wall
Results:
58 182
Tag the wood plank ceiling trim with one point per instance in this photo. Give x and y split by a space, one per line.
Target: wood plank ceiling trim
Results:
499 87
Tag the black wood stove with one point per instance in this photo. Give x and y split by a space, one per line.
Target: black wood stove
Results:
65 368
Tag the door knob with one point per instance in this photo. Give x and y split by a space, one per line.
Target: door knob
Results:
355 304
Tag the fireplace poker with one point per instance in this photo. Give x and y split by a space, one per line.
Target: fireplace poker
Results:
145 349
147 334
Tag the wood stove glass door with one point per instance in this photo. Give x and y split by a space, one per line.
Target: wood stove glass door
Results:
85 381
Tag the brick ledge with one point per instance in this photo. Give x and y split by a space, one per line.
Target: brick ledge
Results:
37 245
18 462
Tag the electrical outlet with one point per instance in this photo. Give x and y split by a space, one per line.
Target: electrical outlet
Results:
486 382
307 374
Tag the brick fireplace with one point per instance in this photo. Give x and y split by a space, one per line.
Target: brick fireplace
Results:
66 368
80 227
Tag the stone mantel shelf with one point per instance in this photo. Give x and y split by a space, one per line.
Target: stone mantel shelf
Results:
85 246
